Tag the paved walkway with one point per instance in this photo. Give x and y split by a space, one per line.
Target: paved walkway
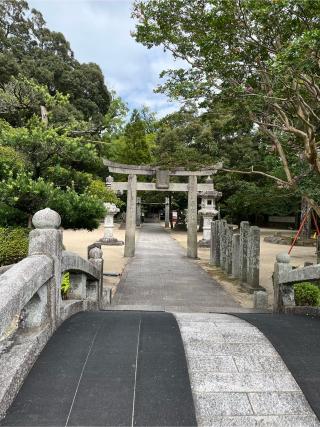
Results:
160 277
237 377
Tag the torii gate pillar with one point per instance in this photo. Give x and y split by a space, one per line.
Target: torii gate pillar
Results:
130 240
192 249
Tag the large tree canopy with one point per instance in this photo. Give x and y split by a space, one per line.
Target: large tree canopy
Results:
53 114
30 49
258 57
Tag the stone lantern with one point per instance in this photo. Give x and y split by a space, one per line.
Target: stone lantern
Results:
108 238
208 211
109 181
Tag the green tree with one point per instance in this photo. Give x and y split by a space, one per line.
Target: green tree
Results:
136 145
259 58
28 47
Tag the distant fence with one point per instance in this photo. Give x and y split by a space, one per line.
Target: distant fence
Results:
31 307
236 252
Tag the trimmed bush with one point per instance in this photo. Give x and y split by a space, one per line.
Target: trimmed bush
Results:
306 294
13 245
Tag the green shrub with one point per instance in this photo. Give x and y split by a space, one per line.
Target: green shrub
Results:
306 294
65 285
13 245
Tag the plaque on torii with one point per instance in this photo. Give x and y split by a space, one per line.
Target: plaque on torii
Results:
162 184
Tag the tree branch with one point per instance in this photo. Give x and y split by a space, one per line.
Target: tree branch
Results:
254 172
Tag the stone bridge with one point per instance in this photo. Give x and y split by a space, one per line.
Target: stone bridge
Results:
173 349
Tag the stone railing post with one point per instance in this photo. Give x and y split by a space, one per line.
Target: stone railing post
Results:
243 258
95 292
46 239
253 260
236 256
283 294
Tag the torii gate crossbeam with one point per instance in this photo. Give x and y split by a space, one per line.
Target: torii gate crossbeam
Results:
162 184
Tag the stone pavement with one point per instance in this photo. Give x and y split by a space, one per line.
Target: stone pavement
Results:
160 277
237 377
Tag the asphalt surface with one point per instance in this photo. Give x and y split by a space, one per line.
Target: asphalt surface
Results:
108 369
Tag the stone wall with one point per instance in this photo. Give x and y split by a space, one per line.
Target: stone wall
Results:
237 252
31 307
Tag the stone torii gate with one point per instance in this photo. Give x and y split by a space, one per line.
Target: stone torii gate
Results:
162 184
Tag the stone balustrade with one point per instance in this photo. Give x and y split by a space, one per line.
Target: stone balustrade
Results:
285 276
31 307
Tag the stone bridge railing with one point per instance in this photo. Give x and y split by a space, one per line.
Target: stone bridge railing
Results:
31 307
285 276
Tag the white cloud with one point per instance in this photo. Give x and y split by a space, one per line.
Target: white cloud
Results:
99 31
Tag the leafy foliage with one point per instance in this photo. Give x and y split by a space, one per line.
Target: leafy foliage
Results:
13 245
306 294
65 285
30 49
257 59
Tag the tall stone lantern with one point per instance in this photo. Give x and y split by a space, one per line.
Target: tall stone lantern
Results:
112 210
208 211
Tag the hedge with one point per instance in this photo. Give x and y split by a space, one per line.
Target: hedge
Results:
13 245
306 294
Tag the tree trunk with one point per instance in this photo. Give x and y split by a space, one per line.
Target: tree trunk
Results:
30 221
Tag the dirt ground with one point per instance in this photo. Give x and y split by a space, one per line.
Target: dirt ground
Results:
114 262
268 253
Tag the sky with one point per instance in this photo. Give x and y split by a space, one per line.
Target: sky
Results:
99 31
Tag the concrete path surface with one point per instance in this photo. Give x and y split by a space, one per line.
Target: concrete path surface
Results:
161 277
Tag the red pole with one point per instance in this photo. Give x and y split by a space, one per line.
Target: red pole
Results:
299 231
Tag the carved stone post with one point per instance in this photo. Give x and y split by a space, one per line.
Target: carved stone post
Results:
192 250
138 220
167 213
129 249
253 257
222 229
243 259
47 239
235 256
228 263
